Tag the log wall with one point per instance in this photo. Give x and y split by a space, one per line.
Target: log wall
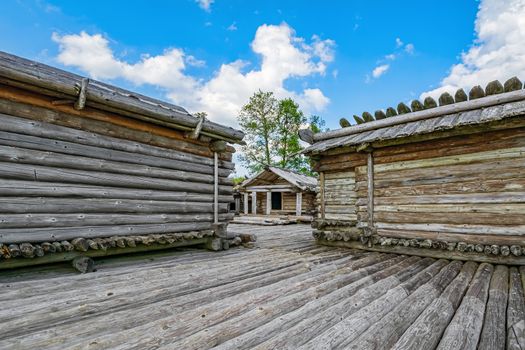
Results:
464 193
288 203
67 175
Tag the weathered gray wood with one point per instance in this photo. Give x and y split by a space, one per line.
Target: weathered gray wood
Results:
493 335
21 188
370 189
44 173
70 255
515 312
424 114
81 102
342 333
88 219
43 234
426 331
385 332
464 330
29 127
23 205
358 296
44 76
59 160
37 143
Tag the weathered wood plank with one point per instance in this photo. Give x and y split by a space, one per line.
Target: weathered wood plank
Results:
493 335
464 330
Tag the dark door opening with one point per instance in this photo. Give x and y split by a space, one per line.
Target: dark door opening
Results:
277 200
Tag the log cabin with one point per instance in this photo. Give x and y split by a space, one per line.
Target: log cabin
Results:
90 169
443 179
278 191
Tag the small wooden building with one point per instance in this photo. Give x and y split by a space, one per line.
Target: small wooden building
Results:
88 168
442 181
277 191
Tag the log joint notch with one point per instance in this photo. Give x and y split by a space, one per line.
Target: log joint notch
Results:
82 95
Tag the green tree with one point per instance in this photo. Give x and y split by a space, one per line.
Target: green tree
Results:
258 120
271 128
290 120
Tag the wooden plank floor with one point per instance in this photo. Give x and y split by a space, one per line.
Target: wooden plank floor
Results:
286 293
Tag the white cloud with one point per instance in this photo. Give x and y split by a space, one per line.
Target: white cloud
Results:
232 27
399 43
409 48
380 70
284 56
205 4
498 51
391 57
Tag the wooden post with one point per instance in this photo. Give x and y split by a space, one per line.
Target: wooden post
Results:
268 202
298 203
254 202
237 205
246 199
216 188
321 193
370 180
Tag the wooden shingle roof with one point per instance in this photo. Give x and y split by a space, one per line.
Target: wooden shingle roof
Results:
481 109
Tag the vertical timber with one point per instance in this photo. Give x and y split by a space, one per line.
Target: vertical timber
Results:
215 188
370 180
321 193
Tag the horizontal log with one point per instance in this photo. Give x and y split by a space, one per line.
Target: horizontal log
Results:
432 253
511 230
88 219
52 145
53 234
464 187
28 156
23 205
68 256
42 173
504 218
20 103
104 123
454 237
43 76
451 146
20 188
10 123
459 199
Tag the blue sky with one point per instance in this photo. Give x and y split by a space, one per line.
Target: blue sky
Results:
210 56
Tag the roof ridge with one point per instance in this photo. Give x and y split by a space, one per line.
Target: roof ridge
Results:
494 94
493 88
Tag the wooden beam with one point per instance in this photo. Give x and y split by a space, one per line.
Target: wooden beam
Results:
322 193
370 182
254 203
81 102
298 203
246 199
216 188
268 202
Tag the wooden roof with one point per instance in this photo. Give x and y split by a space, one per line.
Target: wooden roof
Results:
449 115
288 294
52 81
271 173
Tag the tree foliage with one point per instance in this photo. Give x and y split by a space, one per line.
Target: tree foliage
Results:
271 127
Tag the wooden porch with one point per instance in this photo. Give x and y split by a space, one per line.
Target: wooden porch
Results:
286 293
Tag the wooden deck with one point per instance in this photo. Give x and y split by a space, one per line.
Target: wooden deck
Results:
286 293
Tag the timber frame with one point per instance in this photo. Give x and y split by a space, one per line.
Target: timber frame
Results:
445 182
297 193
88 168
